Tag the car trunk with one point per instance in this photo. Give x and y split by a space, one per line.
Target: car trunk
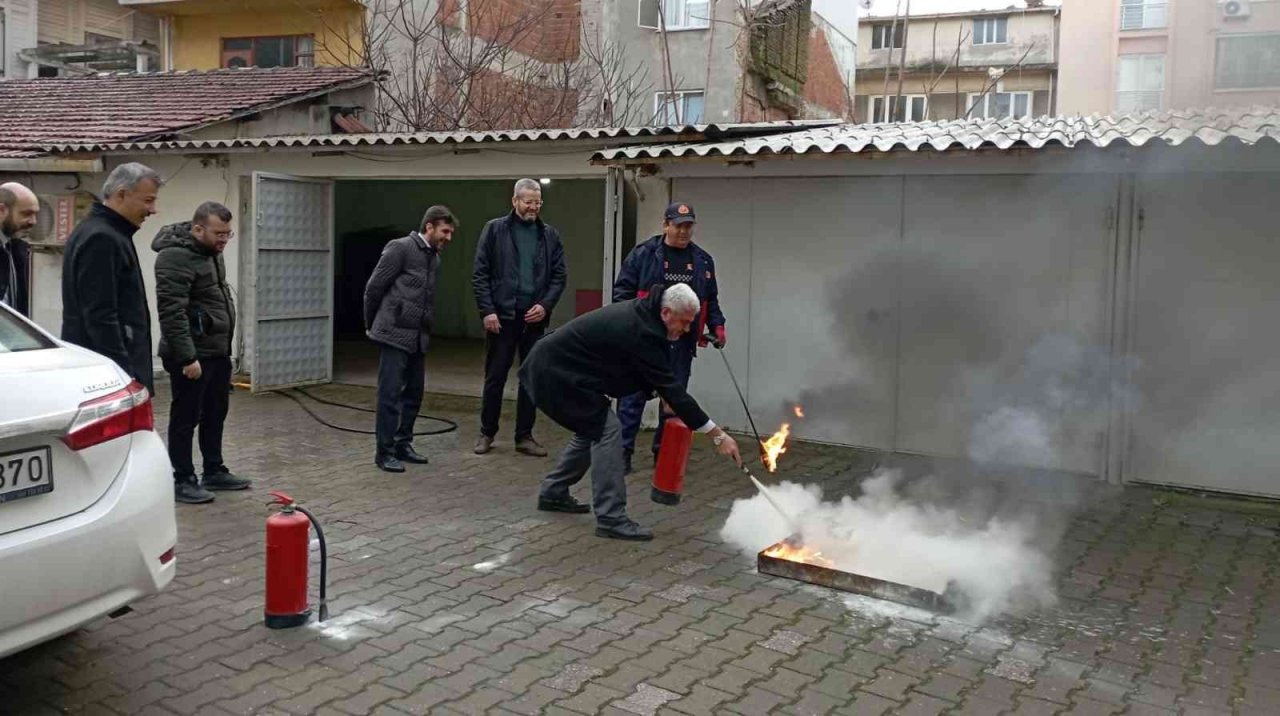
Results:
43 391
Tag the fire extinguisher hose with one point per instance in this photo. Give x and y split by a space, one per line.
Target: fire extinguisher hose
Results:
449 425
324 561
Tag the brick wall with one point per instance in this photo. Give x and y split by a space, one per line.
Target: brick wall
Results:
502 102
824 88
545 30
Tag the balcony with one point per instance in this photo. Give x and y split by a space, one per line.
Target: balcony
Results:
1144 15
210 7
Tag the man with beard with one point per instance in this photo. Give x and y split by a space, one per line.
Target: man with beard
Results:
19 210
518 277
197 323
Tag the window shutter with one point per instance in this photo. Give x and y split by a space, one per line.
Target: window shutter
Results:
649 10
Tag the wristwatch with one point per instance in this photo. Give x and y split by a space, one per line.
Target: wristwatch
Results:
716 440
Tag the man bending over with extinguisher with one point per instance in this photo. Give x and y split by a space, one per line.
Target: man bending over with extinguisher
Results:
573 373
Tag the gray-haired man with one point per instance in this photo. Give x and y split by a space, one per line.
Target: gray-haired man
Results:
518 278
104 301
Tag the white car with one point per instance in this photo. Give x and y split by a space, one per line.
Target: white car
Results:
86 494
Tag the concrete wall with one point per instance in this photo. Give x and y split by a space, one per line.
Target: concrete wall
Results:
197 38
955 85
1092 42
20 31
1028 30
292 119
702 59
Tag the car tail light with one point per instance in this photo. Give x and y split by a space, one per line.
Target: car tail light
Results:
125 411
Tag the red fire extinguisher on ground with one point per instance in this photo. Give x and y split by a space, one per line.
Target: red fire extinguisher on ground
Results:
673 457
288 550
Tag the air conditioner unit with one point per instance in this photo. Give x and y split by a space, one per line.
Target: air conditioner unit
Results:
1235 9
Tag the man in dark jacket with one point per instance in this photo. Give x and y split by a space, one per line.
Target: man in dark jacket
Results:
518 279
19 211
398 310
197 322
104 300
668 259
611 352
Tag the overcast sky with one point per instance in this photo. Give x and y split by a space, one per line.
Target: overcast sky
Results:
841 13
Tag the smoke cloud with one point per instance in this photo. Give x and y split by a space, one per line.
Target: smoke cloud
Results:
989 567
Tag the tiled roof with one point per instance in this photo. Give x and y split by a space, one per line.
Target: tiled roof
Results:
117 107
1209 126
602 135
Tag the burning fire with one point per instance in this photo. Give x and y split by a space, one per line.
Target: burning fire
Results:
799 411
794 553
775 446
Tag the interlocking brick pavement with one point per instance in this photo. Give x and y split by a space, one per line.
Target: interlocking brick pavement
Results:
451 594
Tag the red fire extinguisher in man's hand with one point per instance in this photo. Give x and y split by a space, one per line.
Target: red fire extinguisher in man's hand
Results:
288 553
673 457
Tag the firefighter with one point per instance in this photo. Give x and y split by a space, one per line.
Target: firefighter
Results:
667 259
571 375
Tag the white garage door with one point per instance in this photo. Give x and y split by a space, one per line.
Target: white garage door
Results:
1205 317
292 339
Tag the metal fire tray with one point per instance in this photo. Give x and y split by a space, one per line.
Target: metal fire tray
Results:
851 582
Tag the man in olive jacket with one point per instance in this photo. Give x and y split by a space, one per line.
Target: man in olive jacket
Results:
398 312
197 323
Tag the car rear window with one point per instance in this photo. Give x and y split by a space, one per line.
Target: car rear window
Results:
17 336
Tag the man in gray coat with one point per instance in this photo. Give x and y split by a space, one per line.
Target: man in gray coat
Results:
398 308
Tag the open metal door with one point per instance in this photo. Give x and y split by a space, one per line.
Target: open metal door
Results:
292 281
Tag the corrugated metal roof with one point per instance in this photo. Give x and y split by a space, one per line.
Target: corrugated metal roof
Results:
1209 126
372 139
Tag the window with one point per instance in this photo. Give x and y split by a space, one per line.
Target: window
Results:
1141 83
676 14
16 336
1143 15
916 108
990 30
1000 105
674 108
880 35
287 51
1248 62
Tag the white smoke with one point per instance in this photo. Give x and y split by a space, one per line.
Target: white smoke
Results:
992 567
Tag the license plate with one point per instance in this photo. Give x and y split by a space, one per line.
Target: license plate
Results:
26 473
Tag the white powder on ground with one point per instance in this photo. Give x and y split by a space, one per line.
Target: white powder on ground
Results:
993 566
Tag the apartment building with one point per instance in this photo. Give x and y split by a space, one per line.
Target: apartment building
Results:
947 59
1137 55
48 38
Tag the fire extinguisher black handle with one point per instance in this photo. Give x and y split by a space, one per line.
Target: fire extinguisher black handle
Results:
713 341
324 561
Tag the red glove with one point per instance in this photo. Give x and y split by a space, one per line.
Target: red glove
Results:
720 336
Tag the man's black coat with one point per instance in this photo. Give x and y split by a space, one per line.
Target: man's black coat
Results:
104 301
608 353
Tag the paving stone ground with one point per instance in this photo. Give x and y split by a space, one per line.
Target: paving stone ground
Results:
451 594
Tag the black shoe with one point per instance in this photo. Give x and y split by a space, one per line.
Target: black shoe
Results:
406 453
626 462
565 504
224 480
190 492
628 530
387 463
